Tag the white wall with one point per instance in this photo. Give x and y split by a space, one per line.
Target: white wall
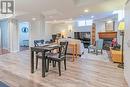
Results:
59 27
127 41
37 31
4 34
13 35
51 28
48 31
100 27
82 28
22 35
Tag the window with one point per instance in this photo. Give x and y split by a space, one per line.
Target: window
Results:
85 23
81 23
89 22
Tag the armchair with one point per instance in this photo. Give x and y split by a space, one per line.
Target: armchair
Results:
99 46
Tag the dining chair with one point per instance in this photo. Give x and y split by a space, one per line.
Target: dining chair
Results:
38 54
38 42
59 56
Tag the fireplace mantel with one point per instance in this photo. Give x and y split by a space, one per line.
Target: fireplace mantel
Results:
107 35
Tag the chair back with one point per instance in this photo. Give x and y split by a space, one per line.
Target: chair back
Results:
38 42
99 44
54 36
63 49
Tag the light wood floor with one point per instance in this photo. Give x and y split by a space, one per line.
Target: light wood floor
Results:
84 72
3 51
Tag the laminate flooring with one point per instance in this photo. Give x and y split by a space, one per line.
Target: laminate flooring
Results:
86 71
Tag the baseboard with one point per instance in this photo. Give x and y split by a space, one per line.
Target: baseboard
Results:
126 79
14 51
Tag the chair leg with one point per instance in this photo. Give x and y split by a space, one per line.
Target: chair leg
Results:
88 50
96 52
101 51
59 66
36 62
48 61
54 63
65 63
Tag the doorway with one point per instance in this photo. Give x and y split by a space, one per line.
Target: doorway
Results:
4 37
24 36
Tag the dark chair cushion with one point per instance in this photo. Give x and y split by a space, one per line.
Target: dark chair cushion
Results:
54 56
39 54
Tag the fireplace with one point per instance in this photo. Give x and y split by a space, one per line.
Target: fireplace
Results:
107 37
106 44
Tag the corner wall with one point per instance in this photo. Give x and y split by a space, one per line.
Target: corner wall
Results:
126 43
37 30
4 34
13 35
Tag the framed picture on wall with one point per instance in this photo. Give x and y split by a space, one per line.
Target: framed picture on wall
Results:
110 26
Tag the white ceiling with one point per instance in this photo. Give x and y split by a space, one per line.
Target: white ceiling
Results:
64 9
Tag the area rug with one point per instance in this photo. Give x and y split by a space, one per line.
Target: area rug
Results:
92 56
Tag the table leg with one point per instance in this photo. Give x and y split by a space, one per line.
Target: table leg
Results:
43 64
73 52
32 61
76 51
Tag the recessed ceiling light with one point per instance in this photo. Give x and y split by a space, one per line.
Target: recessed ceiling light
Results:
92 16
70 19
33 19
55 21
110 21
86 10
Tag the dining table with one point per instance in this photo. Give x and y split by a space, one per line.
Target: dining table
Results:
43 49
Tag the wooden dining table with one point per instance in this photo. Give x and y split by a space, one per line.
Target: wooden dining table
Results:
43 50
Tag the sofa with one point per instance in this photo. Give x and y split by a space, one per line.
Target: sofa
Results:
79 49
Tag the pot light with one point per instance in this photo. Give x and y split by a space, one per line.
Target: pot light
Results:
70 19
110 21
92 16
55 21
85 10
33 19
